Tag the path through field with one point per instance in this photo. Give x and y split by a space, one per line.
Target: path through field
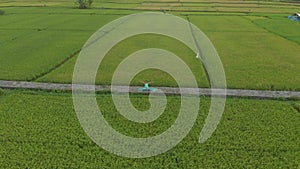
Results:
263 94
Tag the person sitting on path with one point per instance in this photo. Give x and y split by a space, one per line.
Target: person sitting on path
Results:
146 85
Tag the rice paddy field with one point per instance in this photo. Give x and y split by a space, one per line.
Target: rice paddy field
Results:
258 45
43 43
42 131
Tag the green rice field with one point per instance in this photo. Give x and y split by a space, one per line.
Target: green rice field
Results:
42 131
43 44
258 45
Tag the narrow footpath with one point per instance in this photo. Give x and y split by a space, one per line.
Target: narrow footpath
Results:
263 94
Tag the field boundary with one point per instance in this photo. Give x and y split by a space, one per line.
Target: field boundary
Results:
71 56
259 94
271 32
56 66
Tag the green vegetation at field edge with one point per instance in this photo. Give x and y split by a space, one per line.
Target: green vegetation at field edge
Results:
41 130
281 26
297 106
2 12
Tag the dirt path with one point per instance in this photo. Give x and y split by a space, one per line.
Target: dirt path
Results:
166 90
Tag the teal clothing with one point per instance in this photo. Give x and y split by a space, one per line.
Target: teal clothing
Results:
146 86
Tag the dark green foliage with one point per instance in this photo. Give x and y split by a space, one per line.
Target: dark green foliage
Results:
281 26
2 12
297 106
83 4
